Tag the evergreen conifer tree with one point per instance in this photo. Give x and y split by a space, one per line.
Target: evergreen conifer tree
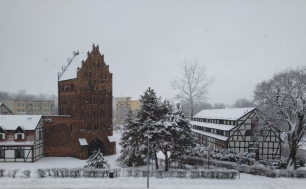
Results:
97 161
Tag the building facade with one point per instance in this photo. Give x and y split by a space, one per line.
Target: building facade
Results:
236 129
21 138
29 107
84 123
123 105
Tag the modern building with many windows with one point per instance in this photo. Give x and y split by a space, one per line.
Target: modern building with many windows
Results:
21 138
236 129
29 107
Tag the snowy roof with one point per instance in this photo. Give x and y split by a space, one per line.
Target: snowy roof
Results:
111 139
83 141
213 125
11 122
71 69
0 103
227 114
224 138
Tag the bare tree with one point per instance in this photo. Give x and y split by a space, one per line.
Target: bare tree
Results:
193 84
283 98
243 103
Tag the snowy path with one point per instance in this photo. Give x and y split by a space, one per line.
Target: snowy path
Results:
246 181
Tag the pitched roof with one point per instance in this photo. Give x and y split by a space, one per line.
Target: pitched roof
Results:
226 114
213 125
11 122
71 70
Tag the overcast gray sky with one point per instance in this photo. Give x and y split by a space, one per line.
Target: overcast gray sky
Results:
240 42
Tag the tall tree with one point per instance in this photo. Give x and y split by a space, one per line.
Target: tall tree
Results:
243 103
193 84
283 98
130 142
139 128
174 133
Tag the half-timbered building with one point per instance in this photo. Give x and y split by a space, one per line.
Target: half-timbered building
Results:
237 129
21 138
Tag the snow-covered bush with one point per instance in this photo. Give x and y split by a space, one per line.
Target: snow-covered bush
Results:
300 162
55 172
96 161
279 163
300 174
40 173
2 172
219 173
14 172
233 156
26 173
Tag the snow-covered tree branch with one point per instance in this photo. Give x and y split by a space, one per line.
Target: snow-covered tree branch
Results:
282 98
193 83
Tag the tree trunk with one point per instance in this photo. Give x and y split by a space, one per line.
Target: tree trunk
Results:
166 161
191 110
292 157
156 160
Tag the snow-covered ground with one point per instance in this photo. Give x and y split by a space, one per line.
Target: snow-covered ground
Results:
245 181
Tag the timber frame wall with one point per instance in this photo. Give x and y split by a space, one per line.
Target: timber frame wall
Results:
242 138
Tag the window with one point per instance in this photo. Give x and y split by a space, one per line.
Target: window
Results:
19 136
22 104
101 76
94 100
105 76
40 135
89 74
18 104
19 153
88 87
98 64
248 133
93 64
1 136
1 153
95 88
85 74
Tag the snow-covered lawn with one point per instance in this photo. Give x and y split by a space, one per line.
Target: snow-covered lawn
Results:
245 181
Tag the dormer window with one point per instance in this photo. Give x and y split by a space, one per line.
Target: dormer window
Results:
19 136
19 133
2 136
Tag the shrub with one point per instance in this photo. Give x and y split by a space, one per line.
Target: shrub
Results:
41 173
14 172
26 173
301 174
2 172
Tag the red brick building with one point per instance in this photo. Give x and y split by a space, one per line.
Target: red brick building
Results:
85 109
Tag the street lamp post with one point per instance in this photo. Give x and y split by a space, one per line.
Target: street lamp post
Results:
148 161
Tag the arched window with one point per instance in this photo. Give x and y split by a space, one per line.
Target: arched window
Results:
93 64
85 74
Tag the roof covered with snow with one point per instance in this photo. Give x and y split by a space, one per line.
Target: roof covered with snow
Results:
226 114
224 138
213 125
83 142
71 69
11 122
111 139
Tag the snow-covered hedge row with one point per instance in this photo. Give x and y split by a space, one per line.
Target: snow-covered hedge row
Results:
214 173
76 172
